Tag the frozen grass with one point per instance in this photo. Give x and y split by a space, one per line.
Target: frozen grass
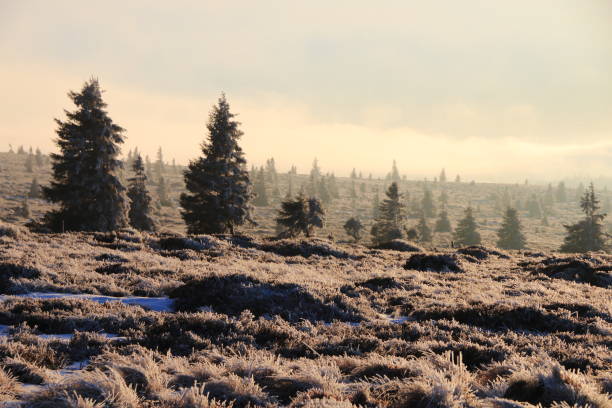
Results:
302 324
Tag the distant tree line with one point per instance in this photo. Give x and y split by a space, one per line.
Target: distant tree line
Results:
87 184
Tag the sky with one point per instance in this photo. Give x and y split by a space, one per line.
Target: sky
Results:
493 90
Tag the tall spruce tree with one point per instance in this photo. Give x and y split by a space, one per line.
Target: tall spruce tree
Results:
388 225
427 204
85 181
394 176
259 189
35 190
423 229
510 234
442 177
466 232
218 185
140 206
587 234
29 163
443 223
299 215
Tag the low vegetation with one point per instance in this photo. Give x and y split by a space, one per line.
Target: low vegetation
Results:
255 323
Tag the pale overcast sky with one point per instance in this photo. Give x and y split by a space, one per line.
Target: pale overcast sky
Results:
495 90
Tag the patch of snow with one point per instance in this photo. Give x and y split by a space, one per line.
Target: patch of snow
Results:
158 304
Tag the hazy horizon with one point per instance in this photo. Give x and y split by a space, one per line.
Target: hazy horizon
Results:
493 92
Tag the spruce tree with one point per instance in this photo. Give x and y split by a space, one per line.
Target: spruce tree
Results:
443 223
587 234
218 185
353 227
394 176
510 234
85 181
442 176
427 204
35 190
388 225
533 207
299 215
140 206
466 232
29 163
259 189
423 229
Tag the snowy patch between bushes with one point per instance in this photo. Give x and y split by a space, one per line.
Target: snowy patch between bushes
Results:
5 332
157 304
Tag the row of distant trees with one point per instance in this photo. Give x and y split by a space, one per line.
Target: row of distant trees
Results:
91 197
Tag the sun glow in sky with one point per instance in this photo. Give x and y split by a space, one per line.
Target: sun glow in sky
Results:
491 90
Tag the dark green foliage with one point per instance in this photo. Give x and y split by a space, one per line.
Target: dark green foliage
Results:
35 190
423 230
587 234
510 235
388 225
218 185
353 228
85 181
466 232
300 215
140 206
443 223
259 188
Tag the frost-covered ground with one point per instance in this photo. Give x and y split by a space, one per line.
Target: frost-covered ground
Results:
133 320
